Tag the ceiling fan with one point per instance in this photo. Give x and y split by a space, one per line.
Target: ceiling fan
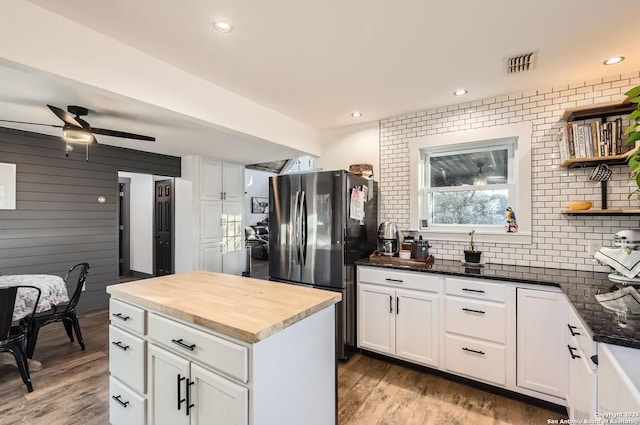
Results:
77 130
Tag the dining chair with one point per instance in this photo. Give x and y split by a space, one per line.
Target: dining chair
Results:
65 312
12 338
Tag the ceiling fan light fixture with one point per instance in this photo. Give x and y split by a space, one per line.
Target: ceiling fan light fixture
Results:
614 60
223 26
77 135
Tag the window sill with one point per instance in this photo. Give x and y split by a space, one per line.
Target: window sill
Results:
480 236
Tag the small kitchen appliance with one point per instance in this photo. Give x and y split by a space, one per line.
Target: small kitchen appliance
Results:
627 240
420 249
388 238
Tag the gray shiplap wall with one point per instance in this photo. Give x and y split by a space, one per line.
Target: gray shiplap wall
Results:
58 221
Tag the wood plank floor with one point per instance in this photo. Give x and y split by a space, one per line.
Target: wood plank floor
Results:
72 388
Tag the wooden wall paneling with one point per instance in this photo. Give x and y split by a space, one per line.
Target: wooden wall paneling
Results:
58 221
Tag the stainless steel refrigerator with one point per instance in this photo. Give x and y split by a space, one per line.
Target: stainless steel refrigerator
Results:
314 241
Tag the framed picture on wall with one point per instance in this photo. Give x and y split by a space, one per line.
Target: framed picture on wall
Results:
7 186
260 205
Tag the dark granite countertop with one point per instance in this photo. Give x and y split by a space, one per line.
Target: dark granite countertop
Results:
579 287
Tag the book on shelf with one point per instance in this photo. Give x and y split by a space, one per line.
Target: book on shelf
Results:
591 140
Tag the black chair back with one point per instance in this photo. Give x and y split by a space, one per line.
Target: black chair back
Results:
82 270
8 297
7 302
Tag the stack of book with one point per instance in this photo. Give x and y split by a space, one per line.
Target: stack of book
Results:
591 140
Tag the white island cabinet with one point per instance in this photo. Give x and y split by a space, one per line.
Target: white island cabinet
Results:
202 347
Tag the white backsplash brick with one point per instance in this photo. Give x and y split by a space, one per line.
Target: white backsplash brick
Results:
558 241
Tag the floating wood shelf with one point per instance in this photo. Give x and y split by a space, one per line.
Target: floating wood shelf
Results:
602 212
601 110
620 159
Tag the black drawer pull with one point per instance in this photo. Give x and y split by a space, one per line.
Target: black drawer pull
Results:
573 356
121 317
120 346
117 398
470 310
479 291
473 351
571 328
183 345
394 280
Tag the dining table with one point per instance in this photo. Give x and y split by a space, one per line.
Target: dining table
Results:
53 291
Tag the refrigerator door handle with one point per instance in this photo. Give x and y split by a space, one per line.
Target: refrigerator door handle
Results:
295 227
303 228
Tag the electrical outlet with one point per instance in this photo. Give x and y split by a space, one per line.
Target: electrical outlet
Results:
594 246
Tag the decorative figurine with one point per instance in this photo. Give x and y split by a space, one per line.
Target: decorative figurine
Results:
512 226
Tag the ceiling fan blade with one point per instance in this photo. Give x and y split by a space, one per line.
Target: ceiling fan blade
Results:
31 123
65 116
114 133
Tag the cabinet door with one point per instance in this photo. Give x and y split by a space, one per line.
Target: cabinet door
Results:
417 326
210 179
582 388
211 257
217 400
232 229
376 318
211 221
168 374
542 341
233 182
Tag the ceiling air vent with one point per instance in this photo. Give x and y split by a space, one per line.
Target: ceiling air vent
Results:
521 63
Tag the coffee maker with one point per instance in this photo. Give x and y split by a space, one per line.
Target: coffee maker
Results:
388 238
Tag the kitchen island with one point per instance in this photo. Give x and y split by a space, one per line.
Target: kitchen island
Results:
207 346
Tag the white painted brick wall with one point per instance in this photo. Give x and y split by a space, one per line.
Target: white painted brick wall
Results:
559 241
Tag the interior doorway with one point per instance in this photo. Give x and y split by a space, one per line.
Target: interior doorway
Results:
124 223
163 227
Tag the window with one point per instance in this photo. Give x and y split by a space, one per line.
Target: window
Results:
468 184
450 194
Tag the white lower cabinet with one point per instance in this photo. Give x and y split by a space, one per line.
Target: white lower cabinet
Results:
126 407
619 383
182 392
400 322
582 378
542 341
506 334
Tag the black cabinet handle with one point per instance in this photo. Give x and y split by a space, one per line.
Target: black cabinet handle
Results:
183 345
390 304
473 351
394 280
180 399
397 305
117 398
189 404
120 346
479 291
470 310
571 328
121 317
573 356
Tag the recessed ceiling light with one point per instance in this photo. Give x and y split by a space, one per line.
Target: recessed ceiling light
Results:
460 92
356 114
223 26
613 61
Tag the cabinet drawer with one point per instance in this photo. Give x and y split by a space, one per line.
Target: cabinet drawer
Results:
210 350
410 280
580 336
127 355
476 319
125 406
474 288
127 316
476 359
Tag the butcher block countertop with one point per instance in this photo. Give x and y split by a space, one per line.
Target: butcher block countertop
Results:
240 307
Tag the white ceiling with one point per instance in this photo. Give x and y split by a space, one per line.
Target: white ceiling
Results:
318 61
